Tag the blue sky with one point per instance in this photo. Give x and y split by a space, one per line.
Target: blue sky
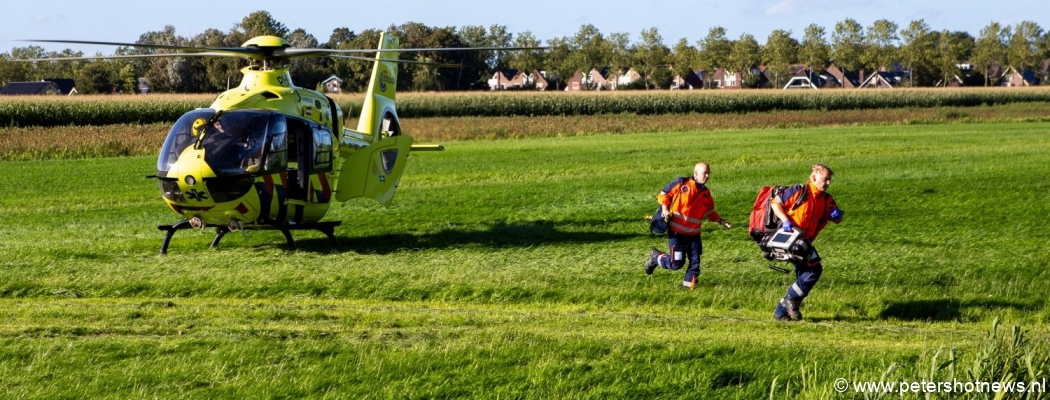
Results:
124 21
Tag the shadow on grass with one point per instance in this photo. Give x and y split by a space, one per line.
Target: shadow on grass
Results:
945 309
499 235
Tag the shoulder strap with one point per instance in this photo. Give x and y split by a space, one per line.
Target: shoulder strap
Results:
801 197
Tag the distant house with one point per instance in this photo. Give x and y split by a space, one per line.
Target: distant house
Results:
576 83
333 85
627 78
65 86
539 79
723 79
143 85
508 79
498 80
1012 77
593 80
836 76
805 78
691 80
880 80
30 88
760 72
597 78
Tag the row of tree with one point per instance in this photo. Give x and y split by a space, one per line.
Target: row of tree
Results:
931 56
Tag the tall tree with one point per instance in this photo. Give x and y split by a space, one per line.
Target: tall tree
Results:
652 56
221 72
12 71
477 66
166 74
526 60
714 49
557 59
779 54
880 45
814 50
307 72
360 71
499 37
1022 52
97 77
261 23
917 52
341 39
847 45
620 52
990 49
684 57
952 49
591 50
746 54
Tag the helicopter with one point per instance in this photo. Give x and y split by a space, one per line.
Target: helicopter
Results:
268 155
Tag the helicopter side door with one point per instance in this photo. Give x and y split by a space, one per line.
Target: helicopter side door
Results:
373 171
310 147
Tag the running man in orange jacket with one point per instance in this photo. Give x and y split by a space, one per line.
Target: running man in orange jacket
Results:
810 217
685 202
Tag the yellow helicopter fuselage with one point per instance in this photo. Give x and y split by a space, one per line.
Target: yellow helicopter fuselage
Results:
269 154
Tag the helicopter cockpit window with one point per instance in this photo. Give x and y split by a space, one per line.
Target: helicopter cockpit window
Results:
179 138
276 145
322 150
233 143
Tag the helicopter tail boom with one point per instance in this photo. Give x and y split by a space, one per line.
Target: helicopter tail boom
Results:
378 111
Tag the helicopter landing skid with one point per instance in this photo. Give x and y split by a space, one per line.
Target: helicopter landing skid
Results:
327 227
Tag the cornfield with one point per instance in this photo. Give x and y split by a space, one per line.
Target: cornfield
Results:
106 110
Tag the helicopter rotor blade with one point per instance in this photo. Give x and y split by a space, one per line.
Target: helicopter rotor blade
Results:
263 53
292 51
247 52
397 61
127 56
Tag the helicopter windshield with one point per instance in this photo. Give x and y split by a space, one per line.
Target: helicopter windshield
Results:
234 141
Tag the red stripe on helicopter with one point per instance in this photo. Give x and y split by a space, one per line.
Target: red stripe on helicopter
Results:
326 190
241 208
268 179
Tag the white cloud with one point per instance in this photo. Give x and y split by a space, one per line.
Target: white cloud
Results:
46 19
786 7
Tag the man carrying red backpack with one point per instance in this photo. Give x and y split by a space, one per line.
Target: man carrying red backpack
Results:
808 217
685 202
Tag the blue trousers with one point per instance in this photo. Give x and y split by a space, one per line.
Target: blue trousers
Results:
683 247
807 273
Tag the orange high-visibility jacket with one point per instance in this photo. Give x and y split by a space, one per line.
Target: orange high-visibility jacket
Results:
813 214
688 203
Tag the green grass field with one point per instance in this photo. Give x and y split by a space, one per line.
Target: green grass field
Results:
513 269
